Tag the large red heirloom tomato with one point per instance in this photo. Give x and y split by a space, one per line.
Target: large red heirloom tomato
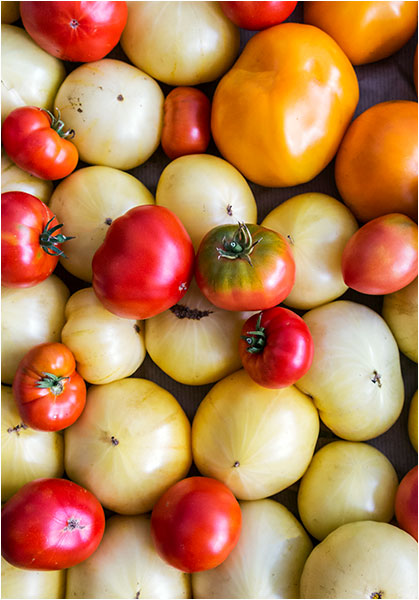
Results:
50 524
406 503
145 264
196 524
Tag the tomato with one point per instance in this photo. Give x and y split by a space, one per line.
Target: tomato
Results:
186 122
145 264
366 31
406 503
412 421
50 524
21 583
400 311
382 256
247 267
49 392
76 31
257 15
10 12
14 179
196 524
376 168
276 347
30 244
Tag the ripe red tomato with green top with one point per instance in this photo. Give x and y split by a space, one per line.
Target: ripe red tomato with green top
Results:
196 524
276 347
406 503
76 31
50 524
49 393
257 15
30 244
248 267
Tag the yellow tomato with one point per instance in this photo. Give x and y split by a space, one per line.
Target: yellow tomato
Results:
400 310
14 179
9 11
412 423
24 583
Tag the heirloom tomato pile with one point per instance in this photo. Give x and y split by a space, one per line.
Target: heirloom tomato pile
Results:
209 299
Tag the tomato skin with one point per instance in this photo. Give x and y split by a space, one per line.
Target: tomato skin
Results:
54 407
238 285
75 31
406 503
145 264
257 15
50 524
29 138
196 524
382 256
288 351
186 122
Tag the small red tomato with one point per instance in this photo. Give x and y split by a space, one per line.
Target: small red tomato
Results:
77 31
257 15
382 256
30 245
186 122
49 393
276 347
34 139
50 524
406 503
196 524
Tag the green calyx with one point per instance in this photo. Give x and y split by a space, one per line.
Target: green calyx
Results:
58 125
239 246
53 382
256 340
49 241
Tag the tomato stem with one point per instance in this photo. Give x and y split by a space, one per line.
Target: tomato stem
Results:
256 340
54 382
239 246
49 242
58 125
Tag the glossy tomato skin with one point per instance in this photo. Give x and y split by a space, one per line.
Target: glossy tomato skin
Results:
196 524
406 503
285 353
75 31
257 15
49 403
382 256
145 264
240 284
50 524
186 122
29 138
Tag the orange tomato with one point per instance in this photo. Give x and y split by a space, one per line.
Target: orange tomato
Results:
376 168
366 31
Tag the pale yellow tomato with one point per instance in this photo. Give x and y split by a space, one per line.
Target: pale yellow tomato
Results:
256 440
29 75
180 43
14 179
30 316
400 310
86 203
126 565
365 559
266 562
116 111
317 228
346 482
9 11
412 422
355 379
131 443
205 191
106 347
24 583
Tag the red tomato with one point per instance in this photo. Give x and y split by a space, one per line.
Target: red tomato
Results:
50 524
186 122
276 347
244 268
382 256
406 503
35 141
77 31
29 245
196 524
49 393
257 15
145 264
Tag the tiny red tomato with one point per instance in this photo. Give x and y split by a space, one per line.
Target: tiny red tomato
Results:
76 31
196 524
406 503
50 524
276 347
34 139
382 256
49 393
186 122
257 15
29 245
